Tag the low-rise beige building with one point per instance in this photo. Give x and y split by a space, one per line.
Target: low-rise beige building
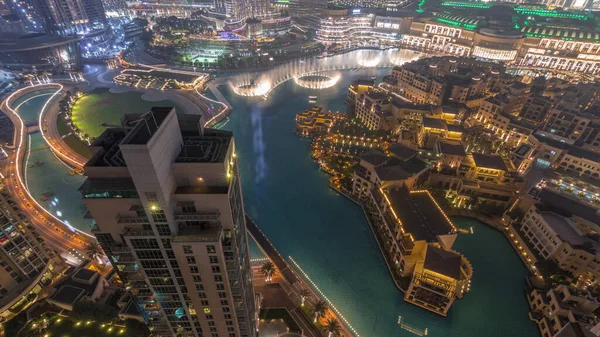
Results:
556 308
556 238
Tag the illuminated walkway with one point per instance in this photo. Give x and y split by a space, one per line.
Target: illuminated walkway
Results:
23 108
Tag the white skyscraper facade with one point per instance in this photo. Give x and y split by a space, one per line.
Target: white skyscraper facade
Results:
166 198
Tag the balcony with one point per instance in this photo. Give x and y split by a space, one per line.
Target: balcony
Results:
198 216
126 259
123 219
199 234
119 249
137 276
129 231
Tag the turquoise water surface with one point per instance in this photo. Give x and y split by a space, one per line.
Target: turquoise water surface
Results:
288 197
49 179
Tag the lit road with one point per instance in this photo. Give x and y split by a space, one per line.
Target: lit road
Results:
49 130
54 232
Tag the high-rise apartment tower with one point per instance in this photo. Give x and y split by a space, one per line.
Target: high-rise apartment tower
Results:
166 197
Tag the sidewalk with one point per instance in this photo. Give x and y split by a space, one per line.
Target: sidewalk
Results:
283 294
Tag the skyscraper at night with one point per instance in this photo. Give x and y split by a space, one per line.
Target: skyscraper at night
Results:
238 10
166 197
306 13
71 16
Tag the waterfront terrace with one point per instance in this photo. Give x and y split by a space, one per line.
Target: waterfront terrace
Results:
418 239
419 214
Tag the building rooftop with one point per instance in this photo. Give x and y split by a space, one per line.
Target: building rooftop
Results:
99 187
557 200
395 169
489 161
435 123
147 126
211 147
452 149
571 149
376 95
374 157
455 128
443 262
402 152
68 294
574 330
563 227
130 309
419 213
522 150
85 275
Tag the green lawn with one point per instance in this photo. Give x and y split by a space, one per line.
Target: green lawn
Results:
72 141
67 328
101 106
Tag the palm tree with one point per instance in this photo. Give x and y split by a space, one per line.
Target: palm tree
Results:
93 251
304 293
268 269
332 327
319 310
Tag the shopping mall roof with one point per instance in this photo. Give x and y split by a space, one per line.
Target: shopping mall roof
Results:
458 20
13 43
561 33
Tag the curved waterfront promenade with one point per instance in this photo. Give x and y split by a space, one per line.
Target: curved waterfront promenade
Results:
55 232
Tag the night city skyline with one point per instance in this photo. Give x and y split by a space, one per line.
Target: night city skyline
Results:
299 168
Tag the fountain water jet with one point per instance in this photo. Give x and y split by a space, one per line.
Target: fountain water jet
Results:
308 72
318 80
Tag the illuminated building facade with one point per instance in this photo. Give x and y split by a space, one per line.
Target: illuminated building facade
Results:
572 159
39 52
237 11
166 197
306 13
314 121
26 264
566 123
341 28
114 7
536 108
400 167
19 16
562 49
563 311
72 16
556 238
533 44
444 79
373 108
420 240
356 89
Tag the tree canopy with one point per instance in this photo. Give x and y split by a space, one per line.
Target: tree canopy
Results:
90 311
